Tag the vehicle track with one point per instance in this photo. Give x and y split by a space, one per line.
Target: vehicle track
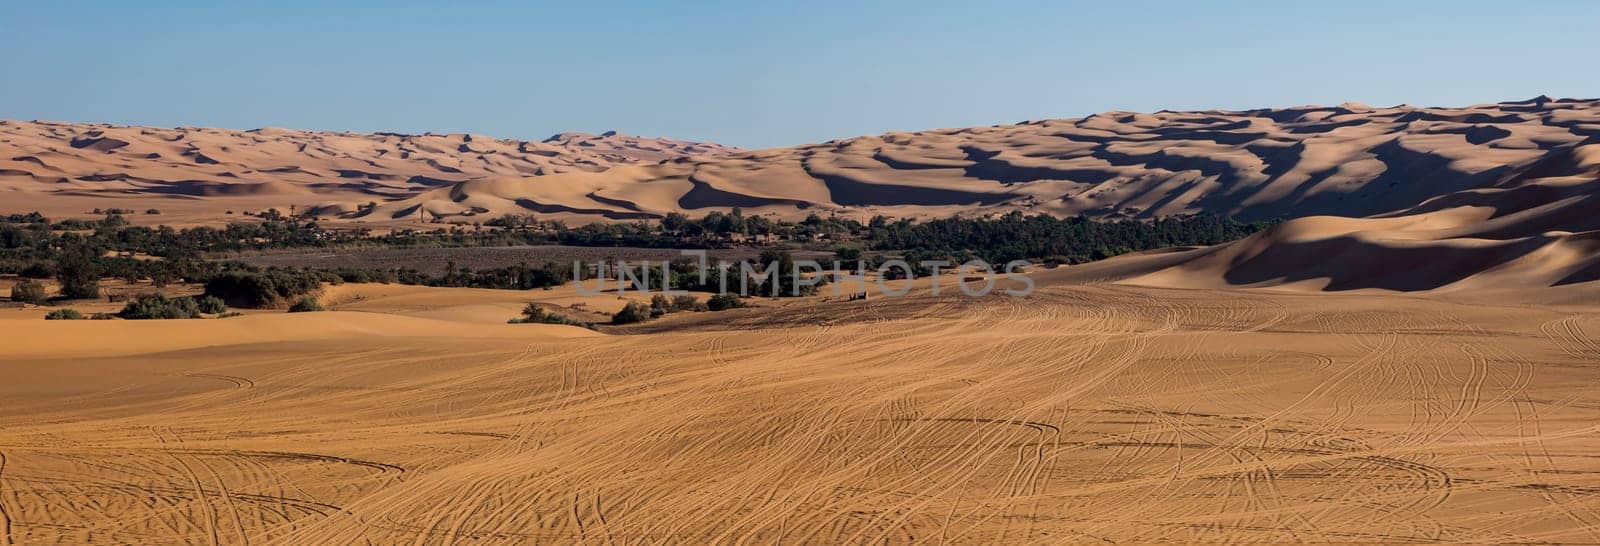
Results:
1098 413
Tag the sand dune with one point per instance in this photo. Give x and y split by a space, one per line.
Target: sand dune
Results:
1083 413
202 173
1253 164
1464 197
1347 160
1532 227
1273 389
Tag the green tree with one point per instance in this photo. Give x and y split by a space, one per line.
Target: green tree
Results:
847 256
675 222
79 275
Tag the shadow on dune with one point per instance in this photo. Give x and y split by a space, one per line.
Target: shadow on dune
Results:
204 188
1350 263
703 195
849 192
987 166
620 203
611 214
100 144
1588 273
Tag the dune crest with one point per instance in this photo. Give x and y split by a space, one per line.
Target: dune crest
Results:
1349 160
64 167
1533 227
1497 191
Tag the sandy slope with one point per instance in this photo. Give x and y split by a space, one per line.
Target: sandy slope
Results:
1424 197
199 174
1084 413
1141 399
1530 227
1400 198
1347 160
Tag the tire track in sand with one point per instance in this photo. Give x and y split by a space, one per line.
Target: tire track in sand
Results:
5 514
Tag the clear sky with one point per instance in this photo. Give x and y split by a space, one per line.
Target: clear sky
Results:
755 74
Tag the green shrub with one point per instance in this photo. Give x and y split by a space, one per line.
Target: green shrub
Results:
230 314
265 289
64 314
157 306
211 305
631 313
306 304
660 304
534 314
29 292
722 302
687 303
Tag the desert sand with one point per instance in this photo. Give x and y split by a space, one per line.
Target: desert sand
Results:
1497 195
208 176
1410 358
1089 411
1348 160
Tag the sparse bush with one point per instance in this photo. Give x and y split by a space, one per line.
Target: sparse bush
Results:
103 316
230 314
660 304
533 313
64 314
211 305
152 211
156 306
686 302
29 292
307 304
721 302
631 313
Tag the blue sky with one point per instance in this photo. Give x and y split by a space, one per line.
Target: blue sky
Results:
764 74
